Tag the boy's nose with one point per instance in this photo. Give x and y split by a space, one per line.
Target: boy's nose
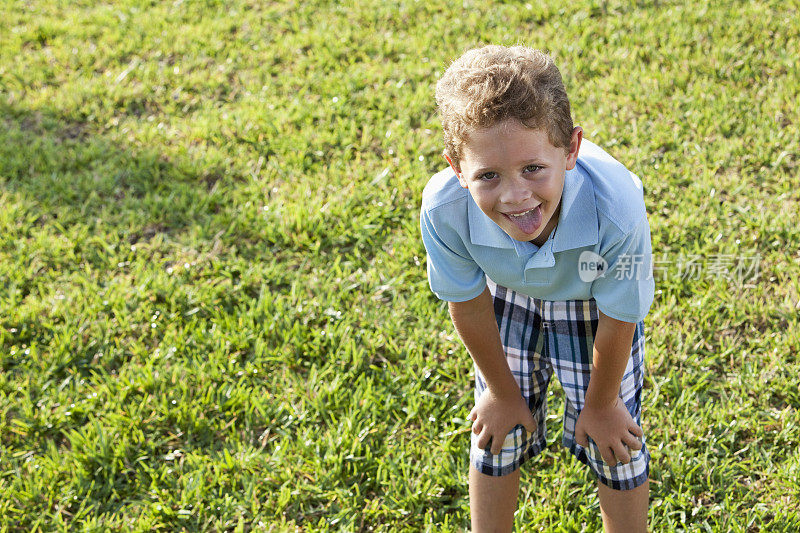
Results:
516 193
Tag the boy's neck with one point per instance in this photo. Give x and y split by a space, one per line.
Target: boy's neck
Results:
553 223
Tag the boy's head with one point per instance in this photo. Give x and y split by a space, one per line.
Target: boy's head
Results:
489 85
509 136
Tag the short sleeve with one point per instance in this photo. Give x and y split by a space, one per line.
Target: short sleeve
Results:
452 275
627 288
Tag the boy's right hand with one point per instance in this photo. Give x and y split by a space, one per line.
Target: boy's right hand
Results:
493 417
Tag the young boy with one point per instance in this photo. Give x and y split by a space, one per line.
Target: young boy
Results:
540 243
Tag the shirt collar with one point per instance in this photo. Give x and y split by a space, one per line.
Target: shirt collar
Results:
577 222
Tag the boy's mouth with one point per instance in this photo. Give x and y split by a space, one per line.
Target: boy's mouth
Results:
529 221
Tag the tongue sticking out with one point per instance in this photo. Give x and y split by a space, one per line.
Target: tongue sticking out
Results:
530 221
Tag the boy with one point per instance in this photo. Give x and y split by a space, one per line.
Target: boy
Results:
540 243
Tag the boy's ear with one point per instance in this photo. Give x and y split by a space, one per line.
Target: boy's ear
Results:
457 171
574 147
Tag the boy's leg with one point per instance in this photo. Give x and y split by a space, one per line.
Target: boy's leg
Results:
624 510
492 500
623 488
494 479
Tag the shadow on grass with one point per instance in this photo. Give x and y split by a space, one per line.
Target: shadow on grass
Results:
76 176
78 204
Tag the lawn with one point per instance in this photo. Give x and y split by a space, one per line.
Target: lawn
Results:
214 310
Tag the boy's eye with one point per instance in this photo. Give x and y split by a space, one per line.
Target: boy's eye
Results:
488 176
532 168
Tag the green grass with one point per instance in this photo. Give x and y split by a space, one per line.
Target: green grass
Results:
214 311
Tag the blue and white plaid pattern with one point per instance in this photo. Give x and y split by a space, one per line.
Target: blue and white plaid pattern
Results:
540 337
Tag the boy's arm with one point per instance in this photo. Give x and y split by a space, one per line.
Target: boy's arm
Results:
501 406
604 416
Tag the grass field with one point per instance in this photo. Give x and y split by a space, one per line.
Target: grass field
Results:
214 311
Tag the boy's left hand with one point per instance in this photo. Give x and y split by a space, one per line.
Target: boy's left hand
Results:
612 428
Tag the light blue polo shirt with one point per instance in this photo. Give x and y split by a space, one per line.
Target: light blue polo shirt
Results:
600 248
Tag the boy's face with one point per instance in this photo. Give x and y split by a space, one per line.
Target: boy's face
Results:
513 170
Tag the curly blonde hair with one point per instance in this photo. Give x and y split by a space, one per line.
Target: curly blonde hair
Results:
494 83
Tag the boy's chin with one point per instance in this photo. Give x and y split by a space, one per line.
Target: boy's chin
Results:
521 236
538 238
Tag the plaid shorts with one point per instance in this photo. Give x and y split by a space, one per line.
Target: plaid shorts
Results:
540 336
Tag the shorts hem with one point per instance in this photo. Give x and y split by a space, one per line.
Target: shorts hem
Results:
616 484
628 484
487 468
